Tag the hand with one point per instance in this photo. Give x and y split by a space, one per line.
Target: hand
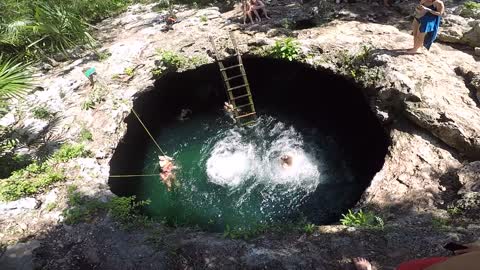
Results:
421 7
472 247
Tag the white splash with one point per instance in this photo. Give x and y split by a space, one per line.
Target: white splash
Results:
236 158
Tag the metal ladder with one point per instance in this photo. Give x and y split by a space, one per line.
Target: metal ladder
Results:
237 87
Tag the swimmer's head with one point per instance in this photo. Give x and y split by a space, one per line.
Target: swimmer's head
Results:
287 160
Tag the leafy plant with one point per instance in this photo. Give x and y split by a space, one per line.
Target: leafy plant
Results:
51 206
309 228
85 135
362 219
125 210
70 151
15 80
471 5
287 48
203 18
33 179
42 113
129 71
170 61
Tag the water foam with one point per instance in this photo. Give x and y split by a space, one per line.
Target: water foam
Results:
238 156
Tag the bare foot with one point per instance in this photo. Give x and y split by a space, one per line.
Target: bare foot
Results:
362 264
412 51
267 17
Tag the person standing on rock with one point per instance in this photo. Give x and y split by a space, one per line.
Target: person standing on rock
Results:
426 23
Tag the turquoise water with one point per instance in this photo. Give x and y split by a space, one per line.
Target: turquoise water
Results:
232 176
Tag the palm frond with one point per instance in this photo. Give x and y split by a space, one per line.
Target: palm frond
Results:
15 79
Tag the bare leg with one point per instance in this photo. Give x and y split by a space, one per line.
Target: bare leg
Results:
256 14
249 13
362 264
420 37
265 12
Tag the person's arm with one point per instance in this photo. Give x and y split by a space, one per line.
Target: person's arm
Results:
440 8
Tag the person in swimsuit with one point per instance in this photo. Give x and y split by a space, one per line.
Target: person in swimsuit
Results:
166 168
255 6
426 23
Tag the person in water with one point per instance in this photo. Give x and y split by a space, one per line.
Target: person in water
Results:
184 114
166 171
286 161
426 23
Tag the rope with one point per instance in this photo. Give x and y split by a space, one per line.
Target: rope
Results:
148 132
132 175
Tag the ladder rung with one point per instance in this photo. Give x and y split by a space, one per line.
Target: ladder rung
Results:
230 67
234 77
245 115
237 87
244 105
242 96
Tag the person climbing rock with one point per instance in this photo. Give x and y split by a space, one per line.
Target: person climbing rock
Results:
465 259
166 171
426 23
286 161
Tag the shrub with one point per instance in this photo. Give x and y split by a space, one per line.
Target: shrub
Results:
85 135
170 61
287 48
33 179
125 210
42 113
70 151
359 67
362 219
471 5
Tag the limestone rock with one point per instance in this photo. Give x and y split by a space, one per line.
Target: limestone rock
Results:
21 204
469 177
472 37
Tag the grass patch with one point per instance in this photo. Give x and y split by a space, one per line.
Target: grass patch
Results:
42 113
362 219
169 61
129 71
288 49
37 177
301 226
124 210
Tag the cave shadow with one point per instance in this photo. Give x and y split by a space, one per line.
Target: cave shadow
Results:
317 97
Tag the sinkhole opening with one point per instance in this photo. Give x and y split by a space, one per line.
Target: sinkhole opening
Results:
229 176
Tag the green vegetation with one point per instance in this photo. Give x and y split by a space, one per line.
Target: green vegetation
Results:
33 179
70 151
85 135
359 67
203 18
440 223
362 219
15 80
287 48
129 71
170 61
125 210
42 113
471 5
37 177
49 207
309 228
102 56
39 27
96 96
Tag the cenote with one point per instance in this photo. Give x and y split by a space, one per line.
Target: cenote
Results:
232 176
